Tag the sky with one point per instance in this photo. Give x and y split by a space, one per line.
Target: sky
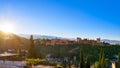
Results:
63 18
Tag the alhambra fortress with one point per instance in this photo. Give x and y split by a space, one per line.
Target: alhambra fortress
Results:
77 41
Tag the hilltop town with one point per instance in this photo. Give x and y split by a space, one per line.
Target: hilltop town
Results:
78 40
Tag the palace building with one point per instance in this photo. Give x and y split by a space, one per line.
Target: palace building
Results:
77 41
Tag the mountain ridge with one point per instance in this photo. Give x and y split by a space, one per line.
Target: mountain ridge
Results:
36 36
111 41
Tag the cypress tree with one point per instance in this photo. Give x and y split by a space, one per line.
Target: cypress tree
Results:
87 65
69 64
81 59
76 64
100 57
102 63
119 57
31 50
64 64
19 52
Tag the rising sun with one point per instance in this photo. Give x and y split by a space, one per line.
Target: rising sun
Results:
7 28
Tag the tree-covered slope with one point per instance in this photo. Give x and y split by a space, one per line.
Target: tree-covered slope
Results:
12 41
74 50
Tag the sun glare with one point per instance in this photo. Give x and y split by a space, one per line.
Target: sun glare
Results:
7 28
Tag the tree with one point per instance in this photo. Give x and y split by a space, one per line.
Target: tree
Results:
76 64
31 50
19 52
69 63
64 63
102 63
87 65
81 59
119 57
107 63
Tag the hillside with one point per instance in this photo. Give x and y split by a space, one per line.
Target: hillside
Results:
74 49
12 41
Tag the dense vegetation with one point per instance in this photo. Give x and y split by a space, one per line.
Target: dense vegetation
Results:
74 50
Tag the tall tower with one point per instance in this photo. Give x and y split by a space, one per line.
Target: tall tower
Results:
98 40
78 39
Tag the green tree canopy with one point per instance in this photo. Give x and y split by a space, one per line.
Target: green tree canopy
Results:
87 65
81 59
31 50
119 57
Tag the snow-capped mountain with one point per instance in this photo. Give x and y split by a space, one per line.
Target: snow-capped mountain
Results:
111 41
35 36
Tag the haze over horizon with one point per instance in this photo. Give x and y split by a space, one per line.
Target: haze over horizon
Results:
63 18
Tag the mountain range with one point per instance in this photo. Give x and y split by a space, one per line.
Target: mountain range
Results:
111 41
36 36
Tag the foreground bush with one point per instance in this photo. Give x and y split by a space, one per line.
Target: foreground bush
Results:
39 62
